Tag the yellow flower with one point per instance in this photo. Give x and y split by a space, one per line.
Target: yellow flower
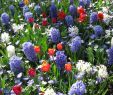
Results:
26 2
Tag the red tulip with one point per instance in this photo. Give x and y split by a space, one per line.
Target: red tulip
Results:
44 15
31 20
68 67
81 10
37 49
32 72
44 22
61 15
54 20
45 67
17 89
59 46
82 17
100 16
51 51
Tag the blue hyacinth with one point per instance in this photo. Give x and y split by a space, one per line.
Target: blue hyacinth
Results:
5 18
53 11
110 56
77 88
75 44
12 9
21 4
29 52
15 64
61 59
73 10
25 9
37 9
98 30
93 17
84 3
28 15
55 35
69 20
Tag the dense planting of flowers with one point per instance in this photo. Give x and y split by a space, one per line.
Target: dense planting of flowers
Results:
56 47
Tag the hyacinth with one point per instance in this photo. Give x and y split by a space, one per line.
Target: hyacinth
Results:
25 9
21 4
5 37
73 10
77 88
5 18
69 20
98 30
93 17
75 44
61 59
71 1
15 64
37 9
29 52
12 9
84 3
53 11
110 56
55 35
28 15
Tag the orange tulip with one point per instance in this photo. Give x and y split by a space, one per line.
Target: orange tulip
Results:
26 2
68 67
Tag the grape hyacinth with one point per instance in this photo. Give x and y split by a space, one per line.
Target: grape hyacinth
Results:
93 17
12 9
53 11
77 88
84 3
15 64
5 18
21 4
73 10
55 35
29 52
61 59
110 56
69 20
98 30
75 44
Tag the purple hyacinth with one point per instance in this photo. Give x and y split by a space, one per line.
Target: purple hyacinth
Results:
25 9
16 64
53 11
93 17
28 15
110 56
77 88
73 10
69 20
12 9
98 30
55 35
21 4
29 52
75 44
5 18
84 3
61 59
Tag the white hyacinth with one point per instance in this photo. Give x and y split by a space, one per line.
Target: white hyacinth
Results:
112 41
10 50
49 91
73 30
102 71
83 66
5 37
